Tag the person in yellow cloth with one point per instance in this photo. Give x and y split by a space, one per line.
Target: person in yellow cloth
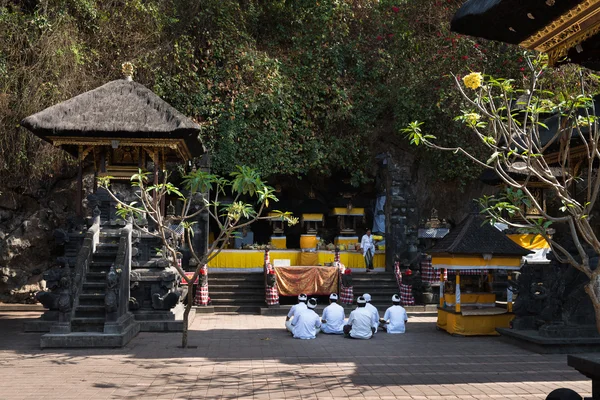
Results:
368 248
295 310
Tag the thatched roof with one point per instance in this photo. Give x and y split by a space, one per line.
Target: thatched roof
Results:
473 236
118 109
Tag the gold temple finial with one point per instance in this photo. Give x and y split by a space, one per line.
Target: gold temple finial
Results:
127 69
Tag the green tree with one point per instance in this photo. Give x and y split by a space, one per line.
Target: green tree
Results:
245 183
509 124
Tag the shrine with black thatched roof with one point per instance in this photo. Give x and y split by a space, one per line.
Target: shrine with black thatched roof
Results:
474 249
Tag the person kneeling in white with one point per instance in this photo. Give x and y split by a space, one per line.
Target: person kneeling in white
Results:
360 325
295 310
395 317
333 317
306 325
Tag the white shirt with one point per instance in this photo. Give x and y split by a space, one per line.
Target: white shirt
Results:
397 317
306 324
296 309
361 321
375 317
334 315
366 243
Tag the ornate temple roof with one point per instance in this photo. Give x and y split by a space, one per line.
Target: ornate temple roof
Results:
121 109
557 27
473 236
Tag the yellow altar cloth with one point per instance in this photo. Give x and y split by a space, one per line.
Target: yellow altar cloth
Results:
291 281
256 258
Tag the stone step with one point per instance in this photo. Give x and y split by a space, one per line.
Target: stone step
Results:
236 295
90 311
94 285
93 320
236 301
91 299
96 276
230 286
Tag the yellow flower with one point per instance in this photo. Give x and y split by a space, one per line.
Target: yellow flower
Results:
473 80
472 119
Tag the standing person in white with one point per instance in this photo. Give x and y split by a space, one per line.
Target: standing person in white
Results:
373 309
368 248
360 325
395 317
306 325
333 317
295 310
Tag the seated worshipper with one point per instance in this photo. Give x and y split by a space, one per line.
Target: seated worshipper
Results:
306 325
395 317
360 323
295 310
333 317
373 309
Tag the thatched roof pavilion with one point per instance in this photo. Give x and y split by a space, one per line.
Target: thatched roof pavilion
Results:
123 110
122 125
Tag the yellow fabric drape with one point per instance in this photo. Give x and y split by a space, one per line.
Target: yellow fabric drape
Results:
291 281
256 258
530 241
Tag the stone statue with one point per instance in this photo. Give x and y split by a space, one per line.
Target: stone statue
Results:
111 299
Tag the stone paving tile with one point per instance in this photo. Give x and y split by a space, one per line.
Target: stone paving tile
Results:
252 357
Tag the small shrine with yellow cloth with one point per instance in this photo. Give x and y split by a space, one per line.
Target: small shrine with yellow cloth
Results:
347 217
472 250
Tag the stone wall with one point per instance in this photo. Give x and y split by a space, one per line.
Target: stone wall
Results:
28 221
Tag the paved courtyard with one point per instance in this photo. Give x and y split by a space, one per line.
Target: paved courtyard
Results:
251 357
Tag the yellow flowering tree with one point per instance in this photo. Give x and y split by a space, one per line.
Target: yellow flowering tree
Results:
549 138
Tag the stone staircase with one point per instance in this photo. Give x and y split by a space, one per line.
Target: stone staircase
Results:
380 285
236 292
90 310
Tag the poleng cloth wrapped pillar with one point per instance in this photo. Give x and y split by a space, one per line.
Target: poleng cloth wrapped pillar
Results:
292 281
271 292
202 298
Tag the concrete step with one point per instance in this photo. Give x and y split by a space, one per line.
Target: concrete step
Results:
96 276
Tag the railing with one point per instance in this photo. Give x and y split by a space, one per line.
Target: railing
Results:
120 273
91 240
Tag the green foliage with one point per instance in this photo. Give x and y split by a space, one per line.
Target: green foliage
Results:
285 87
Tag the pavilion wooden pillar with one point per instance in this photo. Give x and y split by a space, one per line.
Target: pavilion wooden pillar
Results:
457 292
441 287
79 196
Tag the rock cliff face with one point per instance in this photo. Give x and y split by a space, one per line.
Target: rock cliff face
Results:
27 245
28 221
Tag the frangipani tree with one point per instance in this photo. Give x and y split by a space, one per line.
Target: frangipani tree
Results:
510 124
251 196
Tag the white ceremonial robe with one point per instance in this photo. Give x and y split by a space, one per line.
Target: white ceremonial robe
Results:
362 322
306 325
334 315
293 313
375 317
397 317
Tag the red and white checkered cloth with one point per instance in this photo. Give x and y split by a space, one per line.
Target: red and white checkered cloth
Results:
428 274
346 294
406 296
271 292
397 273
202 298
